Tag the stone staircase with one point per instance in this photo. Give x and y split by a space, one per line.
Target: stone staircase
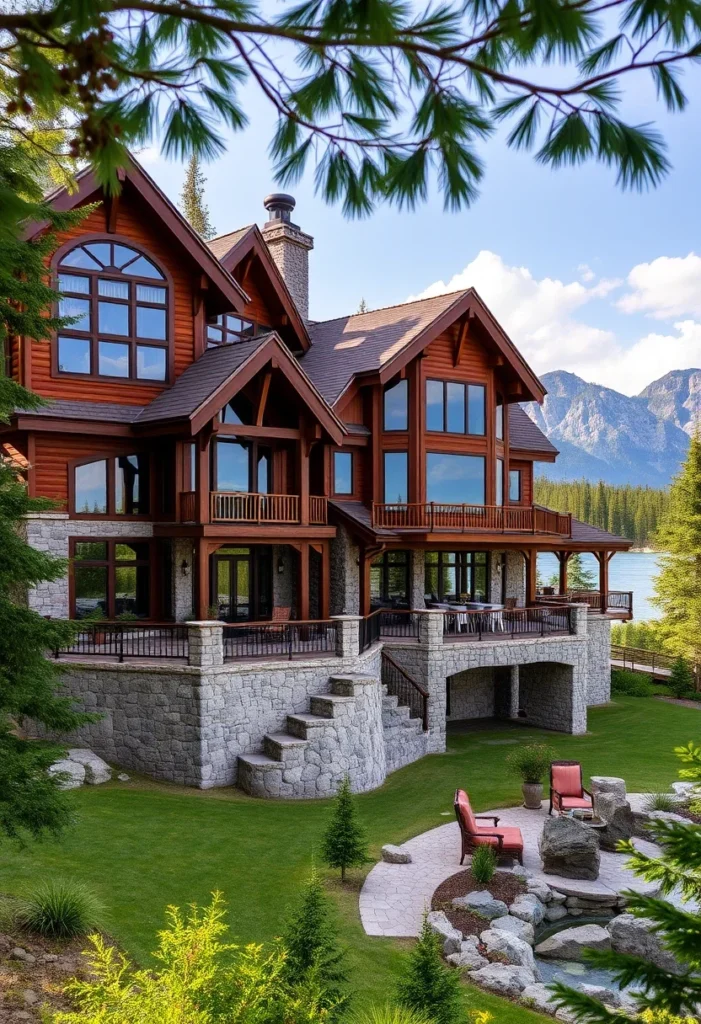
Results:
405 740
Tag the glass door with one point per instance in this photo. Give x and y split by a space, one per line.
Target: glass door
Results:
242 584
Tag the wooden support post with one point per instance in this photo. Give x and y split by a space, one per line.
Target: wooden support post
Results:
202 584
563 558
202 477
531 558
303 581
325 579
263 398
364 570
603 558
303 473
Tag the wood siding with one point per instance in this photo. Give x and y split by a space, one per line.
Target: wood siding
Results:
53 454
526 480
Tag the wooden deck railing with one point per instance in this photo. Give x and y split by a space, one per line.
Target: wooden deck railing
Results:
237 507
432 515
318 513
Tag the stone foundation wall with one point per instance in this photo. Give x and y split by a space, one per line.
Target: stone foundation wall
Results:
550 696
472 694
404 745
599 667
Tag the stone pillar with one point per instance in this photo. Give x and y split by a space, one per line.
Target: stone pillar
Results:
285 582
183 574
205 644
347 635
580 614
417 580
516 577
434 676
345 574
48 531
599 659
431 628
495 576
514 694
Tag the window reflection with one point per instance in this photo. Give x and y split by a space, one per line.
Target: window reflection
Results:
396 406
91 487
455 479
343 472
396 465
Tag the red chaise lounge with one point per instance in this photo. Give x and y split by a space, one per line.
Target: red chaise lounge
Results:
506 840
567 792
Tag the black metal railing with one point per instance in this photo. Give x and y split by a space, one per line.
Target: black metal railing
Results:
297 639
396 623
409 693
613 601
639 660
120 640
507 623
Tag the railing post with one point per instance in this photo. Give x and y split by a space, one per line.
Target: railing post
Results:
289 642
205 644
432 516
121 644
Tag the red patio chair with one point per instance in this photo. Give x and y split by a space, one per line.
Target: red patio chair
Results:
505 840
567 792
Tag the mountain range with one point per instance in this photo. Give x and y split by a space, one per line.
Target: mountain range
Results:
605 435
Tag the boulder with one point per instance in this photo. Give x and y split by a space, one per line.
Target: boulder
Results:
685 790
539 996
537 887
395 854
555 912
123 777
469 955
609 785
569 849
515 926
72 772
450 938
607 996
505 979
481 903
557 897
571 942
97 771
22 954
528 908
619 818
635 935
509 949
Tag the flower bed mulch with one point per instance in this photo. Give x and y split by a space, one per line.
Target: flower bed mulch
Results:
38 979
684 812
503 886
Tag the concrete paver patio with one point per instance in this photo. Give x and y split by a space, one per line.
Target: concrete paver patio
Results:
394 896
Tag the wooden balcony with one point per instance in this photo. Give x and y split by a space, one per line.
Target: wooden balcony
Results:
260 509
432 516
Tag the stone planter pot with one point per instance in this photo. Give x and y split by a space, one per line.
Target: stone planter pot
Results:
532 795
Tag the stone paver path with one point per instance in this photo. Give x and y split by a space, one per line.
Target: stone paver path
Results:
394 896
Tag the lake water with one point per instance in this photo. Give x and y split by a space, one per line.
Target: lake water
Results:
628 570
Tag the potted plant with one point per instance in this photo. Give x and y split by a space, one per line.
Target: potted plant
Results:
531 763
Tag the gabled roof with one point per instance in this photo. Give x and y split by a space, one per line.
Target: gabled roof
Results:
232 248
526 436
382 341
167 213
208 383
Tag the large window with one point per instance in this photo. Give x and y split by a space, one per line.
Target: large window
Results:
396 406
111 578
455 479
231 329
120 304
343 472
396 466
514 485
389 580
455 408
241 466
116 486
456 575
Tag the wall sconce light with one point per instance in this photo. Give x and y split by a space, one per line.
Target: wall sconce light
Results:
184 568
280 565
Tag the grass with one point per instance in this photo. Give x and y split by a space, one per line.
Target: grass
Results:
143 845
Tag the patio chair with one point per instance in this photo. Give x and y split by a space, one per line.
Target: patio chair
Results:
279 618
505 840
567 792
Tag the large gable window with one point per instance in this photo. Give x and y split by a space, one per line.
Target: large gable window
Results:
119 300
455 408
116 486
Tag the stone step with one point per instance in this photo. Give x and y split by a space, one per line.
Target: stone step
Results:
409 727
390 702
327 705
283 747
348 685
305 726
397 714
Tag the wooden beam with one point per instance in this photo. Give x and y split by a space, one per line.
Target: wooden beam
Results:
111 212
515 388
563 558
263 398
202 477
463 332
302 453
202 580
531 559
271 433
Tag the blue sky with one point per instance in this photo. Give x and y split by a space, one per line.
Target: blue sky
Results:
584 277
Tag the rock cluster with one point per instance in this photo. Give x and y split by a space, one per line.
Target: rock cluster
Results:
569 849
79 766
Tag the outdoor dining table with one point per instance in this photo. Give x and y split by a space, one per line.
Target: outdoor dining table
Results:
465 623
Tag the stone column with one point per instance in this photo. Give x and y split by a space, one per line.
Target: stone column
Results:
495 576
431 628
48 531
580 613
205 644
514 694
347 635
417 580
516 577
345 574
183 579
599 659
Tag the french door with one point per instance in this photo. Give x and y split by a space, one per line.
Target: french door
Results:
242 583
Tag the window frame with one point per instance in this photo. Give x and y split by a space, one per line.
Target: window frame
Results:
334 490
381 562
111 513
499 482
519 473
228 336
466 385
111 562
464 564
94 336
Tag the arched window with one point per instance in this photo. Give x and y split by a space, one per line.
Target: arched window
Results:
120 302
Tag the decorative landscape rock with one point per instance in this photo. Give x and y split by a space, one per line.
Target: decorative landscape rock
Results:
515 926
510 949
619 818
74 773
481 903
537 887
607 996
97 771
469 955
634 935
528 908
450 937
539 996
569 849
555 912
504 979
570 943
609 785
395 854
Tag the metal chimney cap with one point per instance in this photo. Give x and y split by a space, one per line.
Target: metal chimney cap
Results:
279 205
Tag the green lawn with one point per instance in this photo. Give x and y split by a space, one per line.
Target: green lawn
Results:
142 845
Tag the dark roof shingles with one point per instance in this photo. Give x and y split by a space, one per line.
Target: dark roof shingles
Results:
104 412
221 245
525 435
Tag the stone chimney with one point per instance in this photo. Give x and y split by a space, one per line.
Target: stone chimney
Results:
289 247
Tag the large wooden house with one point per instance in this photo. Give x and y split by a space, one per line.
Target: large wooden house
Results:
214 454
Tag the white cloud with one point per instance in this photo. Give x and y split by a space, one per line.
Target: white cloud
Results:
669 286
543 317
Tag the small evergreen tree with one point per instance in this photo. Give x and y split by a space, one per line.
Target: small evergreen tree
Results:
363 307
345 843
428 984
313 950
192 200
578 576
681 680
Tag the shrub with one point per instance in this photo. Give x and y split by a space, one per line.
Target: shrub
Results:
57 909
532 762
484 862
681 681
428 985
631 684
390 1015
659 802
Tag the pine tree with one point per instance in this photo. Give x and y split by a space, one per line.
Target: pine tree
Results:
579 577
678 585
681 680
313 951
192 200
363 306
345 843
428 984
